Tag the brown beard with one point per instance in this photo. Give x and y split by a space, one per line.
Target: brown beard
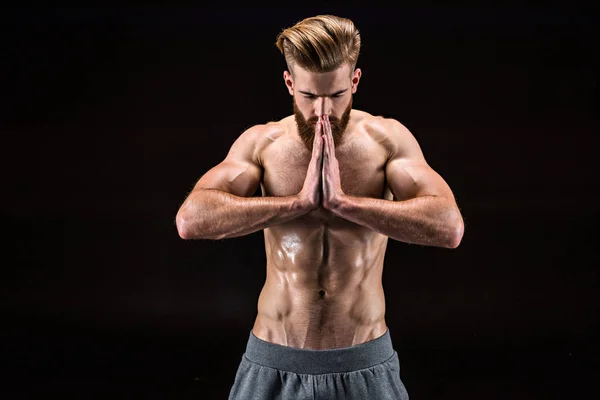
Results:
306 128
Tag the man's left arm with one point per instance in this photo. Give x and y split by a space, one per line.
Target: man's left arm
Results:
424 210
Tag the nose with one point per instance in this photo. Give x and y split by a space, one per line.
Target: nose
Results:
323 106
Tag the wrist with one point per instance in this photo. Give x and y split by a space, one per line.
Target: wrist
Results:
336 204
304 205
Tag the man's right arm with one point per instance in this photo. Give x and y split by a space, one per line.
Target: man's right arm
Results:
220 205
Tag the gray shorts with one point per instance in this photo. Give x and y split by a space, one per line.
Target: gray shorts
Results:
270 371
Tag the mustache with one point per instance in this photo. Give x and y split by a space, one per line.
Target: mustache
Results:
307 127
334 121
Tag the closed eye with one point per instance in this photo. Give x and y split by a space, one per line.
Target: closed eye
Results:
309 95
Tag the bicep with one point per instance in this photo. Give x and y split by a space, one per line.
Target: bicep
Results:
239 173
408 179
231 176
407 172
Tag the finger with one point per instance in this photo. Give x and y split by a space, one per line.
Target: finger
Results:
321 136
329 135
320 147
325 165
325 122
317 142
318 129
328 130
317 159
324 154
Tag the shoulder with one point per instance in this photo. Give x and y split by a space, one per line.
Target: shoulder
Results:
257 138
390 133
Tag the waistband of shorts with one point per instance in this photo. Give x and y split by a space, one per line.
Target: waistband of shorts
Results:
306 361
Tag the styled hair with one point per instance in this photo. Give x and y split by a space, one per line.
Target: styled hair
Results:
320 44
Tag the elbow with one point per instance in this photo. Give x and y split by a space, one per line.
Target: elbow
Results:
455 233
184 227
449 234
189 229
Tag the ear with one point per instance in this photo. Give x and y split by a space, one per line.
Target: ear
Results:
289 82
355 79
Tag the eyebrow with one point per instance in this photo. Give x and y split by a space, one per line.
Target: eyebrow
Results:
326 95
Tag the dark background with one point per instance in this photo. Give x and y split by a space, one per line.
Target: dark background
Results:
111 115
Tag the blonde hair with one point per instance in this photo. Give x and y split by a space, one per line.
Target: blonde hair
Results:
320 44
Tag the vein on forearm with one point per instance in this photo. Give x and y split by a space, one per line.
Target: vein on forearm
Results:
424 220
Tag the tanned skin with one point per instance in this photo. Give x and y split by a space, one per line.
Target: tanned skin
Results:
329 204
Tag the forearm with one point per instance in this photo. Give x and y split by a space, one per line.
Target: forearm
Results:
214 214
426 220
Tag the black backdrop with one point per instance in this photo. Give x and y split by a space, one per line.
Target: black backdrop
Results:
111 114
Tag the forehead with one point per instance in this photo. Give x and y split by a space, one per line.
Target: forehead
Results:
306 80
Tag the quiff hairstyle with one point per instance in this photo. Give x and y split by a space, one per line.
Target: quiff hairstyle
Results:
320 44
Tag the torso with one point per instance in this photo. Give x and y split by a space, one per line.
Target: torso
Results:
323 287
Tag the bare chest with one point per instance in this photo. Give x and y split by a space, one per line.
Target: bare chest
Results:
362 168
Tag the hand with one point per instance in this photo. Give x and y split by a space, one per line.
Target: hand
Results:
332 186
310 195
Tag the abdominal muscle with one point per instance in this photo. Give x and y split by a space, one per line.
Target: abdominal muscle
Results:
323 288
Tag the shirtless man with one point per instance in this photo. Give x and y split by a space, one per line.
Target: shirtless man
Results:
336 184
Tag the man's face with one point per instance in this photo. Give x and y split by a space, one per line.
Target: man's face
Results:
319 94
